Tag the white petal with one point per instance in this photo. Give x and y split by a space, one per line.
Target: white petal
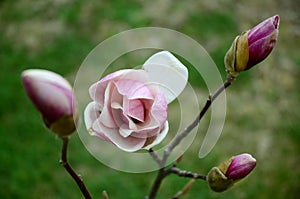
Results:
160 137
124 131
106 114
91 113
168 72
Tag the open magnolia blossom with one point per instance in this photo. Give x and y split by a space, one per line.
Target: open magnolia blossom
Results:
129 107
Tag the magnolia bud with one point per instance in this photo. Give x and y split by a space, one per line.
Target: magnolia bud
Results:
252 46
230 171
52 95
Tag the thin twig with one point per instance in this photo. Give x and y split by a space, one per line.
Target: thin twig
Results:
187 174
105 195
156 157
64 162
162 173
189 128
185 189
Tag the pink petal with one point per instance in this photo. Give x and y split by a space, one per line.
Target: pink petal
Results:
52 100
40 75
263 29
159 109
240 166
261 48
134 109
97 90
146 132
133 89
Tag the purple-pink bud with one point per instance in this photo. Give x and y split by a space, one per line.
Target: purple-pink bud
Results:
230 171
252 46
240 166
262 39
52 95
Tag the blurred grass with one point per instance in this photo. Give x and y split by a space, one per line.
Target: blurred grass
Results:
262 112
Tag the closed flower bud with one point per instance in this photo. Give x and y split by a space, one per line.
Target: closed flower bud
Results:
230 171
240 166
252 46
52 95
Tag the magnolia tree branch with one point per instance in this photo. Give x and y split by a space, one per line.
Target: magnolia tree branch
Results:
163 172
187 174
64 162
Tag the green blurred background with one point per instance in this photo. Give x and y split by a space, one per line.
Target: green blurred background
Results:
262 111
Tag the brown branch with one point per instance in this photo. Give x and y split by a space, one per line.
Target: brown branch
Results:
189 128
187 174
162 173
64 162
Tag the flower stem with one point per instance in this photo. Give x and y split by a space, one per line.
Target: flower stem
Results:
163 172
64 162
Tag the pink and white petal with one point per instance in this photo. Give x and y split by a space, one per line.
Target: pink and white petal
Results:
101 136
134 109
124 131
97 90
168 72
107 118
51 100
136 75
40 75
133 89
159 109
97 130
144 127
143 133
149 124
128 144
91 113
159 137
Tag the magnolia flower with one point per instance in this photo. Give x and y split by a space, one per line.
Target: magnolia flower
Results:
230 171
252 46
52 95
129 107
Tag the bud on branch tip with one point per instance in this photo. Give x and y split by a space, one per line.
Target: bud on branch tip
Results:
252 46
52 95
230 171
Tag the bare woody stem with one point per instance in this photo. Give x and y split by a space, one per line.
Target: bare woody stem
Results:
187 174
64 162
185 189
189 128
163 172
